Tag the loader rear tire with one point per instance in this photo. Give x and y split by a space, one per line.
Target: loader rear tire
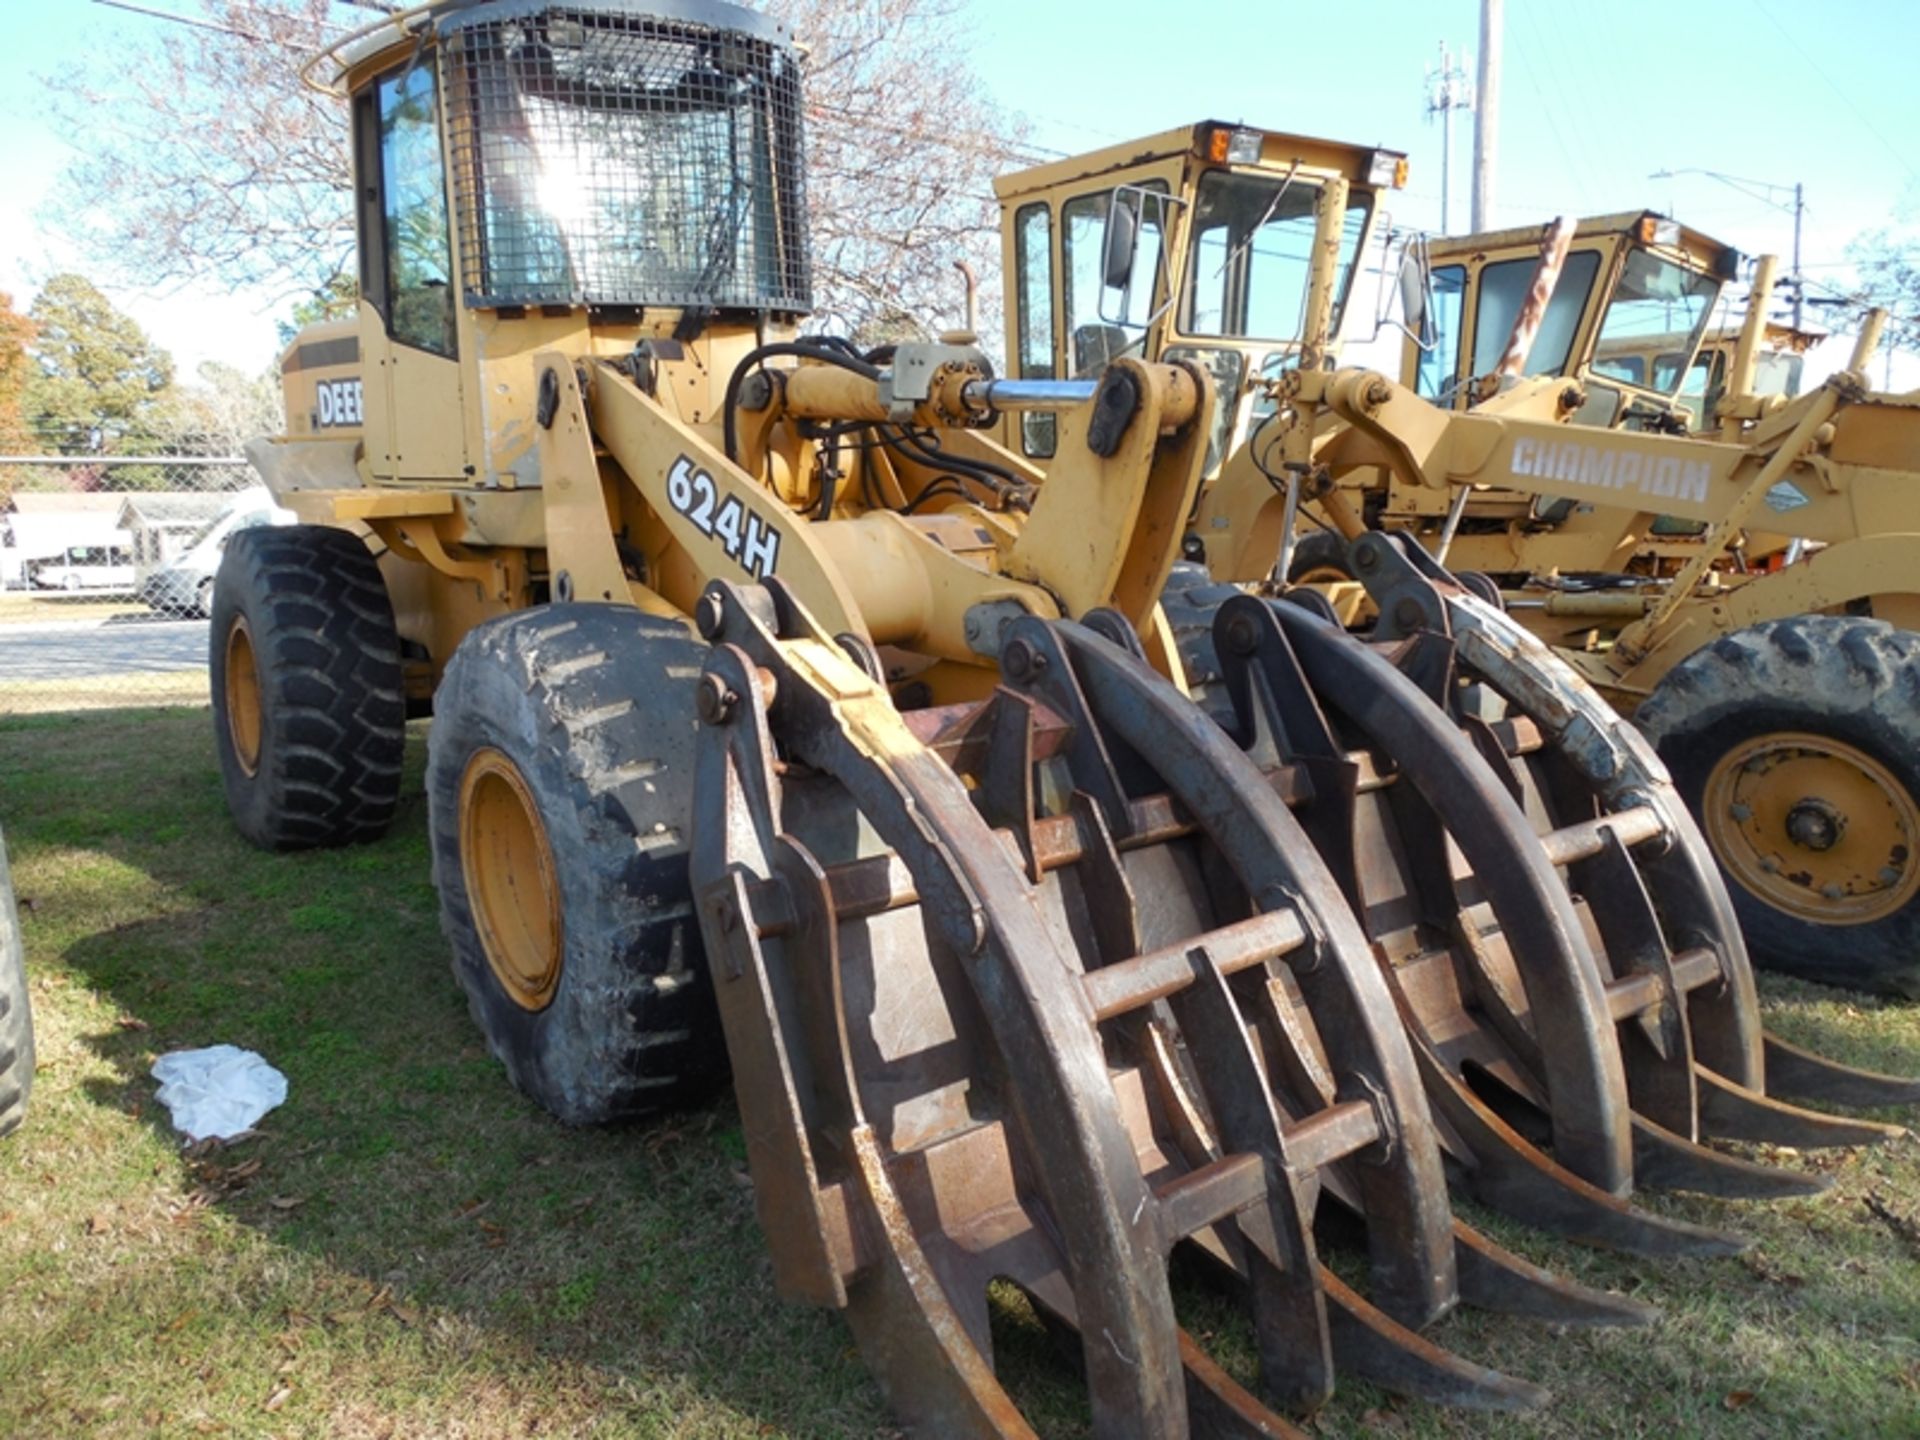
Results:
16 1014
1797 744
560 790
308 715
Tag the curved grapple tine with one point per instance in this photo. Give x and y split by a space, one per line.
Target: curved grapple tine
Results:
1733 1112
1501 1169
1672 1162
1807 1076
1375 1347
1494 1278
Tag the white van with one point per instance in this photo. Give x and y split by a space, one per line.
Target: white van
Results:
184 585
84 567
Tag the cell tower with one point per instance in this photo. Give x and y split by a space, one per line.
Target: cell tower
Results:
1448 90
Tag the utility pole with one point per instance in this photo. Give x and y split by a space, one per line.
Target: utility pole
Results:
1799 280
1448 90
1486 114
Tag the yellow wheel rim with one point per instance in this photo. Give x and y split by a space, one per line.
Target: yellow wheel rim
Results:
1814 827
1321 575
244 722
508 868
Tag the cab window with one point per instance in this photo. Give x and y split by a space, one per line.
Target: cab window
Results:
413 193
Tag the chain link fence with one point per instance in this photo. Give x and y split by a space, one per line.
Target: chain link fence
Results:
107 569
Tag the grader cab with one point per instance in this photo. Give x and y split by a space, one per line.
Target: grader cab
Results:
784 724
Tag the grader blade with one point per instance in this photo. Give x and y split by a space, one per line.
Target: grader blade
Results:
1008 1002
1663 925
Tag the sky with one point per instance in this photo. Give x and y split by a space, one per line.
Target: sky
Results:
1595 99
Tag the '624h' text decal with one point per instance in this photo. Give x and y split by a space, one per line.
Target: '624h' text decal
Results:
746 538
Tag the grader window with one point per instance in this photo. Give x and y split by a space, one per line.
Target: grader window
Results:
624 159
1503 290
1252 244
1436 375
1658 305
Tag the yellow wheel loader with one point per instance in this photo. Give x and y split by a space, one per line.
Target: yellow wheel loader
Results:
786 725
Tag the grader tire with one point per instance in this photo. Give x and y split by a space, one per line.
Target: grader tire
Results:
560 785
308 715
1189 600
1797 743
1320 555
16 1014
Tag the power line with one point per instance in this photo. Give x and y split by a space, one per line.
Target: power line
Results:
1845 99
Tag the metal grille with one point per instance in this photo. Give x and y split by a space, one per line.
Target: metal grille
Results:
605 156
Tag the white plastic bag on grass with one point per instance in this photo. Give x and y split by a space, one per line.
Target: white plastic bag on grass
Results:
218 1092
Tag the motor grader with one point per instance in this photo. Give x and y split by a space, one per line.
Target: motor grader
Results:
783 723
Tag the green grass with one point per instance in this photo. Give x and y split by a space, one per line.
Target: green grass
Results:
410 1249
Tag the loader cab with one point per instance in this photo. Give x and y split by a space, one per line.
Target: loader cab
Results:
593 176
1636 294
1194 245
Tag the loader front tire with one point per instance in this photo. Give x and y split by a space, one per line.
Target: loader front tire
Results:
560 789
16 1014
1797 744
309 718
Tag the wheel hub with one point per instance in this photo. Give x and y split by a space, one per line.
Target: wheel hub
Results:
1813 824
507 864
244 716
1815 827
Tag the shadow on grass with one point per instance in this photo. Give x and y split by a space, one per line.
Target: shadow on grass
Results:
402 1155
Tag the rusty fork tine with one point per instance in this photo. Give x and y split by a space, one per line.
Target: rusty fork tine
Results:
1502 1170
1802 1075
1733 1112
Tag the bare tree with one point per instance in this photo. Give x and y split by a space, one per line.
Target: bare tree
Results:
205 157
210 160
1888 265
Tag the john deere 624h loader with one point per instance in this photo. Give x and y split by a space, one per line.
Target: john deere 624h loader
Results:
785 724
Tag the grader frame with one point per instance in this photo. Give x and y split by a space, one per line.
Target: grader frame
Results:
1028 968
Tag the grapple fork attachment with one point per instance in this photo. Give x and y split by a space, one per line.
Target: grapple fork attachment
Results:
1043 1033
